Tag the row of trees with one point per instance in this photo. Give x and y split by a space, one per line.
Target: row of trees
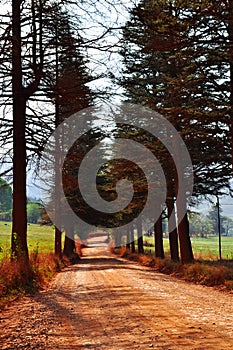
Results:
178 61
44 78
43 69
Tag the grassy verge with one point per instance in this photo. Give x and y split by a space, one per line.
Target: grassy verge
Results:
43 263
15 281
205 272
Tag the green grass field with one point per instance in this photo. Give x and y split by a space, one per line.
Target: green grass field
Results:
203 247
43 237
38 236
210 246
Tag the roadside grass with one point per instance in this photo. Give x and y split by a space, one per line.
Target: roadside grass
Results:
15 281
206 269
43 263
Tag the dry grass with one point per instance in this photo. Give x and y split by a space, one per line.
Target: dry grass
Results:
16 280
205 272
79 245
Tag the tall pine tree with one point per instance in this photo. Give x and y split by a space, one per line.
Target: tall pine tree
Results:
174 56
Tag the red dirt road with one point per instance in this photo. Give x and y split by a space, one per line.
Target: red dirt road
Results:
108 303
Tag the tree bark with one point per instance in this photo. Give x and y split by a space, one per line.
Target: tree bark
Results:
69 245
132 239
158 235
230 33
58 242
173 235
117 238
185 242
128 238
139 234
57 199
186 251
19 216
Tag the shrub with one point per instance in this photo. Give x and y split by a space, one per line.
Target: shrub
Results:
168 266
204 274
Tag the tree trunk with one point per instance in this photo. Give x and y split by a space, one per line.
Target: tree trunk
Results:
69 245
158 235
58 165
173 236
185 242
139 234
57 199
132 239
117 238
230 32
19 216
58 242
128 238
186 251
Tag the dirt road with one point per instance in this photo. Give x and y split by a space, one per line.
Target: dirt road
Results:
109 303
